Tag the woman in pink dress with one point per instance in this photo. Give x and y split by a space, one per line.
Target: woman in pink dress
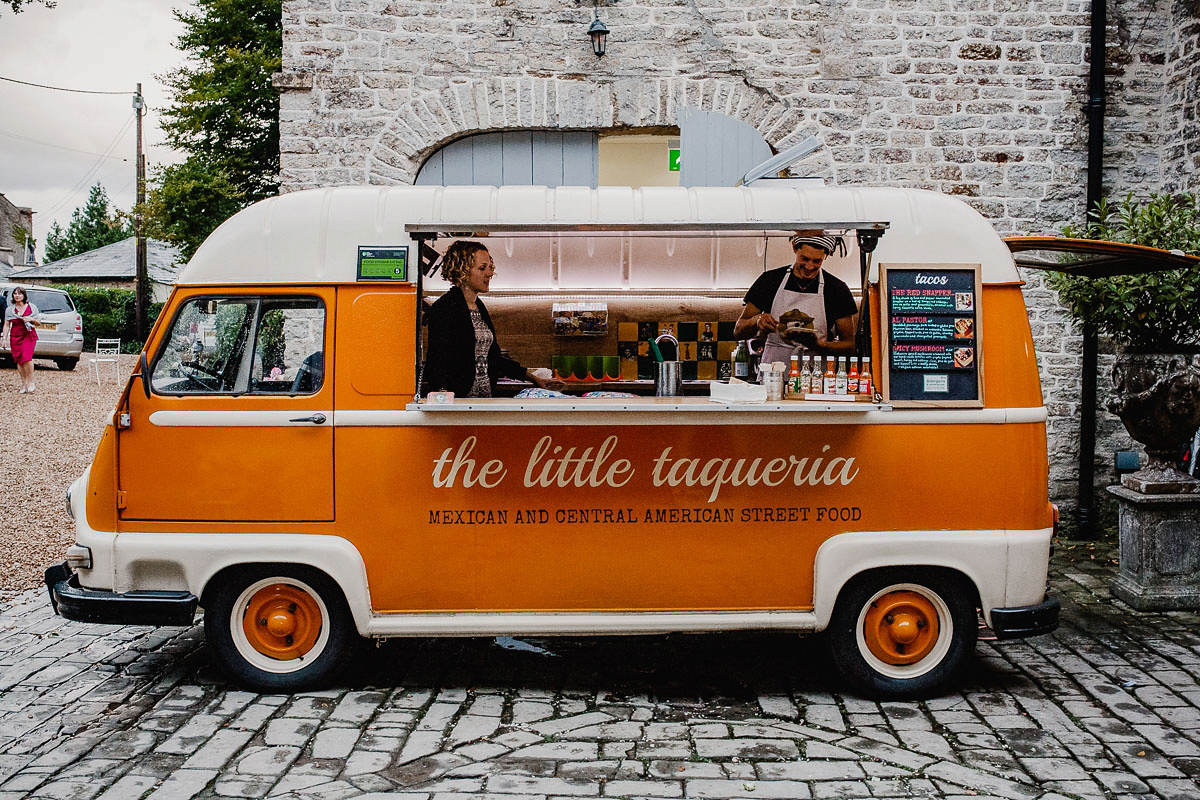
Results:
21 335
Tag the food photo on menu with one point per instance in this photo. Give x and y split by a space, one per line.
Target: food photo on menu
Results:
964 356
964 301
964 328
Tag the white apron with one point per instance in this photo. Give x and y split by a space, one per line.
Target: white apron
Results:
776 349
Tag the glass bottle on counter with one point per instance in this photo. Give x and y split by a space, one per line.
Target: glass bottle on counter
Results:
841 377
793 384
806 376
829 386
741 361
864 377
852 378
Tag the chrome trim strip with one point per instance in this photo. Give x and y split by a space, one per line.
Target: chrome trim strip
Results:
614 412
239 419
585 623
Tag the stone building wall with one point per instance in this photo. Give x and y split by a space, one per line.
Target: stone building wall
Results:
983 99
1181 112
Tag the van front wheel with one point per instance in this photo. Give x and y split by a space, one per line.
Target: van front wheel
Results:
901 633
278 628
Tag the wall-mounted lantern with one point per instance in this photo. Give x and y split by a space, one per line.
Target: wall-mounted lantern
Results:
598 31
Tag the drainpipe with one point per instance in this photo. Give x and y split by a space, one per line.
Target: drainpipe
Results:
1086 512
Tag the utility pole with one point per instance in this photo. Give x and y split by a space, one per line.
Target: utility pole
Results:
139 228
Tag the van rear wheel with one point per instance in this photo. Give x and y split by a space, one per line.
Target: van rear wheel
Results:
278 628
66 364
902 633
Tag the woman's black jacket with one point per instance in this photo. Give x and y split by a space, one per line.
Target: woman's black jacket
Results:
450 358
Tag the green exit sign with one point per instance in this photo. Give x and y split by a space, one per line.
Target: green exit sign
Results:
673 159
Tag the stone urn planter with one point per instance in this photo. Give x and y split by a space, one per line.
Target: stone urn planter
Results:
1158 399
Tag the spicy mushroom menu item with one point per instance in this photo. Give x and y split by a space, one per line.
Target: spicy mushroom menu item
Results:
964 356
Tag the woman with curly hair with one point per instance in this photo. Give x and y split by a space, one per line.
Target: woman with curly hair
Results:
463 356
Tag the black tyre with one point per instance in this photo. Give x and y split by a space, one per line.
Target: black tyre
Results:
902 632
277 627
66 364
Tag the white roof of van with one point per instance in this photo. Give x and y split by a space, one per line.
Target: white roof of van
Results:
313 236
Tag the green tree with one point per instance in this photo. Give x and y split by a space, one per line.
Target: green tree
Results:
224 115
225 111
1144 312
188 200
92 225
16 5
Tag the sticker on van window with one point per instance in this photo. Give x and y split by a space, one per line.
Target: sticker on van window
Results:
382 263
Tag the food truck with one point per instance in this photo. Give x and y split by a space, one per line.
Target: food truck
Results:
272 461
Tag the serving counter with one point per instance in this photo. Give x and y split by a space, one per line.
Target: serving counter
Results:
610 404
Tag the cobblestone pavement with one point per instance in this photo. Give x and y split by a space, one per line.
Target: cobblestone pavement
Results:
1108 706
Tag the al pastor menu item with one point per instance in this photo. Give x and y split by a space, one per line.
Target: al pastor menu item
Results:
931 327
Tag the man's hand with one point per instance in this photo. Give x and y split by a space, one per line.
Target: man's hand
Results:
766 323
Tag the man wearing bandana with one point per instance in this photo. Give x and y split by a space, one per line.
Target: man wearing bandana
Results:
805 287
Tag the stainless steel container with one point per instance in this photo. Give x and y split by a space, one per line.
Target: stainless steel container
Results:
668 378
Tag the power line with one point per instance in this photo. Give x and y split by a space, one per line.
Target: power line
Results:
58 146
94 169
58 88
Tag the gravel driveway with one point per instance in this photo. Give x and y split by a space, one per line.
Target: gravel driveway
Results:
49 438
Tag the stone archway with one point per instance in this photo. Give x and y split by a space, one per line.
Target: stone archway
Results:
489 104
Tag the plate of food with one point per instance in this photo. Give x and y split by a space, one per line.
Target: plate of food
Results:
795 326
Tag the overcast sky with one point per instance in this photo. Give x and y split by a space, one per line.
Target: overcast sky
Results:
53 143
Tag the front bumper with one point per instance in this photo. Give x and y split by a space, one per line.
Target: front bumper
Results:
1024 621
72 601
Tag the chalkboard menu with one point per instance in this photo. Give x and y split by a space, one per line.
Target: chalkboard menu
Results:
931 334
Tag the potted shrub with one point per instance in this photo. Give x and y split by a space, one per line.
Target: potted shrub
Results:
1153 319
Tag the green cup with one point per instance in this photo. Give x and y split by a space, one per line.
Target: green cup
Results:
612 368
595 366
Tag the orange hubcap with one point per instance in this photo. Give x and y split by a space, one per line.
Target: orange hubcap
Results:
901 627
282 621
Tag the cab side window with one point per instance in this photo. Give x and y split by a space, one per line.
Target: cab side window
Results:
244 345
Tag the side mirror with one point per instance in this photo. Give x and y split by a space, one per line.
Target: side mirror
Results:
144 371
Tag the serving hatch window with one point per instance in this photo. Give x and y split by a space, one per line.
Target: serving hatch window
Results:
244 345
727 262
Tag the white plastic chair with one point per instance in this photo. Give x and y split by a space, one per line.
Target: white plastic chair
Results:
107 351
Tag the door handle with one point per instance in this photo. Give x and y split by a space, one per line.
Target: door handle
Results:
316 419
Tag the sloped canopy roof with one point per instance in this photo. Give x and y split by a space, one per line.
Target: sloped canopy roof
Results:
116 261
1092 258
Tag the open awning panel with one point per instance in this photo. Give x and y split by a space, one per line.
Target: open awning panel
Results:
1092 258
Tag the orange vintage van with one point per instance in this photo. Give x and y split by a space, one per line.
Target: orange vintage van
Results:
270 459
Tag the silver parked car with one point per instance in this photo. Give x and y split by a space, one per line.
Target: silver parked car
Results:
64 342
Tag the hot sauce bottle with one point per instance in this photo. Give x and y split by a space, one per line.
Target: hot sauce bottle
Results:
840 383
864 377
830 384
793 385
852 379
806 376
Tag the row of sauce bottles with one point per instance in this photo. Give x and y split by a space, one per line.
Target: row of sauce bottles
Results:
814 377
810 379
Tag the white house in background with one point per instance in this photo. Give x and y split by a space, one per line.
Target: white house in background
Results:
111 266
